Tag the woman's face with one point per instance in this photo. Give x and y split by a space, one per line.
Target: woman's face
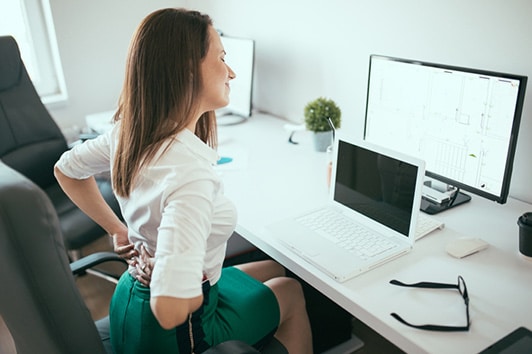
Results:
216 75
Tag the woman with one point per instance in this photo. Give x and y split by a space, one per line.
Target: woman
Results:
161 156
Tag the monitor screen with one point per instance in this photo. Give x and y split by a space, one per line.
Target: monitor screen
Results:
240 57
463 122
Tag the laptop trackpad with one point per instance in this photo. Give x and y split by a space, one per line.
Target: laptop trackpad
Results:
308 249
305 242
290 235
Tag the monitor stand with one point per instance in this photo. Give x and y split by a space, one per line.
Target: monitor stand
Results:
230 119
431 207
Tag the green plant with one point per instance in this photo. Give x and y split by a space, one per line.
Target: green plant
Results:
316 114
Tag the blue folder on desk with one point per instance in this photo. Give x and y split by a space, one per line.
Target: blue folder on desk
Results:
374 190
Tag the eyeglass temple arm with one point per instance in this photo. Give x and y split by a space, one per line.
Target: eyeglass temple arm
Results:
425 284
430 327
427 326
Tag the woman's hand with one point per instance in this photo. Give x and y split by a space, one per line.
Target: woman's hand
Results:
124 248
145 263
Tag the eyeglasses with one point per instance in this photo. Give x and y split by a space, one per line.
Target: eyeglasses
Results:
461 286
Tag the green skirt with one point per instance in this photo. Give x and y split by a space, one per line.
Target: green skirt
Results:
237 307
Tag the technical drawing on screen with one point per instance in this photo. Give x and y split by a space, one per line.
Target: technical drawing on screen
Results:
463 122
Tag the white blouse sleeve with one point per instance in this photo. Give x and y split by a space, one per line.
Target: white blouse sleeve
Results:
87 159
182 237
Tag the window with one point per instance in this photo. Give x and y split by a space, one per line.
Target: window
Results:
30 23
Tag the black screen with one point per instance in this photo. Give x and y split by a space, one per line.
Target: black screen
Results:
378 186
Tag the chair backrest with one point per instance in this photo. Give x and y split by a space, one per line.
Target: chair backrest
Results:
39 300
30 140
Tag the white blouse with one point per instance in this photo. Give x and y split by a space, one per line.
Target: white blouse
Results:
176 209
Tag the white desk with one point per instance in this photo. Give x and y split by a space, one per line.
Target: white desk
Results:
271 179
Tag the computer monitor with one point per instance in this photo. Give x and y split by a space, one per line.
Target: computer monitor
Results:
240 57
463 122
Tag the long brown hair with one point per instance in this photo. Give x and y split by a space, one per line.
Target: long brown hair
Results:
162 80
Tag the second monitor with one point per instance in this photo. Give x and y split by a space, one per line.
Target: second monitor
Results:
463 122
240 57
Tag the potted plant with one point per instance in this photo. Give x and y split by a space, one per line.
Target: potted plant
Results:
316 113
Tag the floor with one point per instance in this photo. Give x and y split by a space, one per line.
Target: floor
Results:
97 293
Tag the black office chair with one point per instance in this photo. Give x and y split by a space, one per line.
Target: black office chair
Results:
31 143
39 301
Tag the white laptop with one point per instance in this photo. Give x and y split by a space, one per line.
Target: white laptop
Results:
371 187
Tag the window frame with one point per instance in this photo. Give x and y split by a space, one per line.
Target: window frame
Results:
42 51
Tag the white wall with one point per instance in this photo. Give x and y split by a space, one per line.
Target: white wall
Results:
306 49
93 38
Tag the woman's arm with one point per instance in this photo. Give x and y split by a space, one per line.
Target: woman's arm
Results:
186 221
86 195
181 308
169 311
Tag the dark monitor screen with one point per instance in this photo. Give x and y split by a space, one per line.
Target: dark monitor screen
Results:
378 186
463 122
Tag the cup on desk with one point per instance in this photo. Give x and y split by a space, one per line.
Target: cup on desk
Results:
525 234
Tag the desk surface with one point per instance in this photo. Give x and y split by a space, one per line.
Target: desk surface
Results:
271 179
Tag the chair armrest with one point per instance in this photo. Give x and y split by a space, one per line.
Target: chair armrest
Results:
81 265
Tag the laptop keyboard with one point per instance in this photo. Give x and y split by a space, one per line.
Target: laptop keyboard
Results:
346 233
354 237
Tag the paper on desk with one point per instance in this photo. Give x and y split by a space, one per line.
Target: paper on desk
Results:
100 122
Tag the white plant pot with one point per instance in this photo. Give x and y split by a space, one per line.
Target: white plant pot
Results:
322 140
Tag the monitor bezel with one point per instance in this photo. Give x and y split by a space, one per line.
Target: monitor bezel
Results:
512 143
235 108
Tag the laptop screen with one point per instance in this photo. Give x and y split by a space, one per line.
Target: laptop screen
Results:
375 185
